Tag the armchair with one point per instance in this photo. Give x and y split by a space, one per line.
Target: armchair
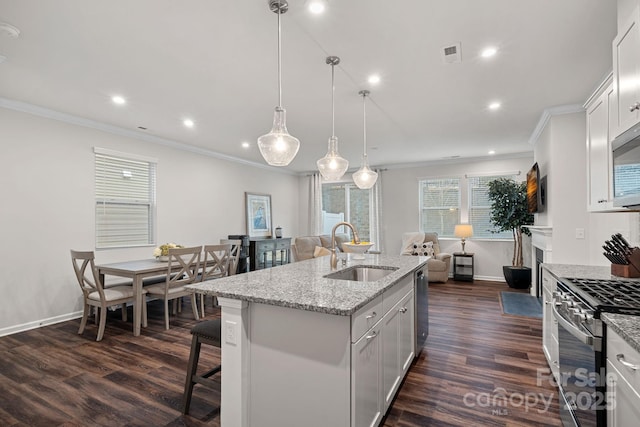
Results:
439 265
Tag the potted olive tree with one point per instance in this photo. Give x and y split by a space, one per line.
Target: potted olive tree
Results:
509 212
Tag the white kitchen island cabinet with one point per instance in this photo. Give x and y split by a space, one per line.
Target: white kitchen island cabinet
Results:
299 349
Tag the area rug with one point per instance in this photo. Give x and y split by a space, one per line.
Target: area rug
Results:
519 304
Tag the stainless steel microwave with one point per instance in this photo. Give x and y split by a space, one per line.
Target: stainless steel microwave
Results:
626 169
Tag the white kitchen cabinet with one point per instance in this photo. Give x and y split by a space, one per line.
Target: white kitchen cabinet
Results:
397 346
549 324
599 162
366 376
623 382
626 74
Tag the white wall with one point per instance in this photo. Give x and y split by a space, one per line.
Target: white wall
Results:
561 155
47 184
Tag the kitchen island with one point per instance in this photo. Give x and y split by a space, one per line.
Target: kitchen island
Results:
302 349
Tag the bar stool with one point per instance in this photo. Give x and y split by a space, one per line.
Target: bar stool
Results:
207 332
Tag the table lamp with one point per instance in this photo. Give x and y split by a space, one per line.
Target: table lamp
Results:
463 231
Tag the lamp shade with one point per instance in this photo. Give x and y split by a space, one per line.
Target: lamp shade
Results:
364 177
278 147
332 166
463 230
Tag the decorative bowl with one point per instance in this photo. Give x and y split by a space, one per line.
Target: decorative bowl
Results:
356 249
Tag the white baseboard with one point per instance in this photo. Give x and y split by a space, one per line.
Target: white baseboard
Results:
39 323
490 278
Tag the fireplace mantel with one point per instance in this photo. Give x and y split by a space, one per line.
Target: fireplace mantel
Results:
541 238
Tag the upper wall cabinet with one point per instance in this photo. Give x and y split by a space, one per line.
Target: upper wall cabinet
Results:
599 166
626 74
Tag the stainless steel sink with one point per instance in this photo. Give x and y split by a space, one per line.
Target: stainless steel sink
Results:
361 273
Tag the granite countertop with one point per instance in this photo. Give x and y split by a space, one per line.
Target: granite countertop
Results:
301 285
628 327
583 272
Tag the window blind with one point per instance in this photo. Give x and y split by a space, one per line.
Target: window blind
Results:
125 200
480 207
439 205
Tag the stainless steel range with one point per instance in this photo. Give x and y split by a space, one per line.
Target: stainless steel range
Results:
578 305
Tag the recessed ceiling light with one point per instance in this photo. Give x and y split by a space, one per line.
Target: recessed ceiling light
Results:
188 123
492 152
246 145
494 105
317 6
117 99
9 30
374 79
489 52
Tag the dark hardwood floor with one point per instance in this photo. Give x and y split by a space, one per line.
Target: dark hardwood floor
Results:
479 367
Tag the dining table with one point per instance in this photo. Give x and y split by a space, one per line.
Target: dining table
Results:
137 271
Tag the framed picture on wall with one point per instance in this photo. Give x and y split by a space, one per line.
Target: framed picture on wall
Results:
258 207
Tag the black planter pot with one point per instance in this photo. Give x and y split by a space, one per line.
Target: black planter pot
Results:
517 277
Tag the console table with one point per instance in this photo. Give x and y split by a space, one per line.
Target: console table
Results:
265 253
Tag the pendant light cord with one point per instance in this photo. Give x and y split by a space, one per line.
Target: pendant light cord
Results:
364 122
333 105
279 60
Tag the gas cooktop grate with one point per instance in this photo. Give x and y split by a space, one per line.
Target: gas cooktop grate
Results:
612 293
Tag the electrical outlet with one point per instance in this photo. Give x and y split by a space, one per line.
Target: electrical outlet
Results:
230 332
579 233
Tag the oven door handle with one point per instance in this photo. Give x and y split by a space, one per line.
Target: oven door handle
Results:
585 338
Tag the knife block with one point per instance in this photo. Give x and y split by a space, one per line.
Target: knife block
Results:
631 270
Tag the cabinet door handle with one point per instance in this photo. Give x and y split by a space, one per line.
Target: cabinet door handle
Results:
372 336
634 107
403 310
631 366
372 315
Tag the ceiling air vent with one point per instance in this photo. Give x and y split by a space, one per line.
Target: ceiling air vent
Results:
451 53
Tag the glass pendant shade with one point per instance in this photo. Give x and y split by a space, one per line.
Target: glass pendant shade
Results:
278 147
364 177
332 166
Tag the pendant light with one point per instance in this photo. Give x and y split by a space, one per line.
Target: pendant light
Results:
333 166
364 177
278 147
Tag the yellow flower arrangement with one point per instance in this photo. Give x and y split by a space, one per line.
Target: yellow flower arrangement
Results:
163 250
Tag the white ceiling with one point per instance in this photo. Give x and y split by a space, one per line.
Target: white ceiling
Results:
216 62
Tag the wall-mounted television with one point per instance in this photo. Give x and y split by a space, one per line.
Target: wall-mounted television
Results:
536 190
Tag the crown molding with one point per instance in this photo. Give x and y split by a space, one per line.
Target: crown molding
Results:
47 113
550 112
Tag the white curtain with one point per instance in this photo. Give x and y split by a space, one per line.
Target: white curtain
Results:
375 229
315 204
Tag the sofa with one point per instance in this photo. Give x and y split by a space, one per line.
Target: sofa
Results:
308 247
427 244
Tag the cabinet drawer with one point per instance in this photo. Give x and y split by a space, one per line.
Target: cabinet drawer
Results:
363 319
391 296
617 346
265 246
282 245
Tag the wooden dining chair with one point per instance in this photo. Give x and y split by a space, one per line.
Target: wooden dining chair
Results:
216 264
236 245
96 295
182 270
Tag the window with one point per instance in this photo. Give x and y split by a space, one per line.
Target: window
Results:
439 205
346 202
125 200
480 207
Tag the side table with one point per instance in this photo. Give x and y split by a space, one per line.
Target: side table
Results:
463 266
